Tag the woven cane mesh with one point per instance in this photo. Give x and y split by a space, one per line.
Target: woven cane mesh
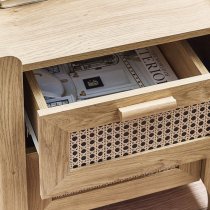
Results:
120 139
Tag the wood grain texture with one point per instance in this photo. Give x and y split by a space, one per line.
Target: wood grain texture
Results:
13 3
36 91
13 186
83 29
100 197
31 93
193 168
121 192
116 170
183 59
53 147
147 108
188 197
33 183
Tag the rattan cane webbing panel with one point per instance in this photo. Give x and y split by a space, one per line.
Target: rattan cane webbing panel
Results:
120 139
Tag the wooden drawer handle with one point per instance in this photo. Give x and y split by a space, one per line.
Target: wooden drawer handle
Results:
147 108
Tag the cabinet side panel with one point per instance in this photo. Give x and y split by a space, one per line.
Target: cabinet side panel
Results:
13 189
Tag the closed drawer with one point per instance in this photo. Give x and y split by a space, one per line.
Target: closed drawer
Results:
101 141
100 197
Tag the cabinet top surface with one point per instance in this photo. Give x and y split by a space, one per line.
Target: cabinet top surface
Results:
59 31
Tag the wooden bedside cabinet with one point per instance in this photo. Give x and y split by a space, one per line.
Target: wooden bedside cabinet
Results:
161 132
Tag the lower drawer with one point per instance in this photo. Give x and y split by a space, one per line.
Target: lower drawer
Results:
100 197
111 139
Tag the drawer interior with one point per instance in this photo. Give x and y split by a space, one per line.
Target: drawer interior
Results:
201 45
181 57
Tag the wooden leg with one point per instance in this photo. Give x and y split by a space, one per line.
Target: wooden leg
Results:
13 185
206 178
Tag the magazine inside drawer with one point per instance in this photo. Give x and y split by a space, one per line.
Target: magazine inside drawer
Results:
102 110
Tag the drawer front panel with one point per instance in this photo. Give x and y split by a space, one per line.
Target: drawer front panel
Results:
120 139
115 152
69 136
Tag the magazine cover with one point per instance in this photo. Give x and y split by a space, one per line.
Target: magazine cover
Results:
105 75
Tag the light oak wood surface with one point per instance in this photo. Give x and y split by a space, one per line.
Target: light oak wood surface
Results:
188 197
117 193
193 168
59 31
104 196
31 104
13 190
180 55
33 183
12 3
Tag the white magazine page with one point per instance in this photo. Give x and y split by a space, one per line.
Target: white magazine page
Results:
155 65
105 75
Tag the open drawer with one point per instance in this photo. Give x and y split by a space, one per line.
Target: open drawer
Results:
100 141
